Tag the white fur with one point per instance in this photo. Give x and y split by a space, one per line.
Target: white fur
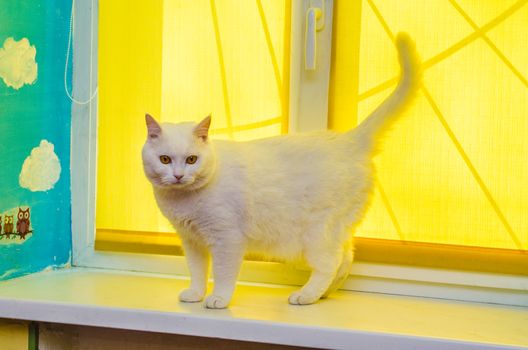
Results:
294 197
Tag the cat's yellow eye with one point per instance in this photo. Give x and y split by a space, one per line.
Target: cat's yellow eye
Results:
191 159
165 159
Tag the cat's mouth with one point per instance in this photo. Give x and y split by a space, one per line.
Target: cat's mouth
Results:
170 183
178 183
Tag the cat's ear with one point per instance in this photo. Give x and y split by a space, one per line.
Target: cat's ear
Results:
154 129
202 129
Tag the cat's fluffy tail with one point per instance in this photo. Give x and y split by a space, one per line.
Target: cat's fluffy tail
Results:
385 114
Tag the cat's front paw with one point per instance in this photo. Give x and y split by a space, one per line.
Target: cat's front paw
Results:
215 302
300 298
190 296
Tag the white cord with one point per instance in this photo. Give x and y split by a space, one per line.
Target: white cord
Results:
66 65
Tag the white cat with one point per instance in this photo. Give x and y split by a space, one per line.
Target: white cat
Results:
293 197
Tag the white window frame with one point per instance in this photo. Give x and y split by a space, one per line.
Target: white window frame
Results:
391 279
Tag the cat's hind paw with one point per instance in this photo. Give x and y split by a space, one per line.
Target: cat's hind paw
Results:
300 298
215 302
190 296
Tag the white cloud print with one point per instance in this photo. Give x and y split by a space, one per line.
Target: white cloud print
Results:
17 63
41 170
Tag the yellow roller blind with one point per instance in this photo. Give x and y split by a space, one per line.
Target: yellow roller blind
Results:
181 60
130 73
452 177
454 170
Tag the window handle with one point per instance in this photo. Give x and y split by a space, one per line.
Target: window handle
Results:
314 23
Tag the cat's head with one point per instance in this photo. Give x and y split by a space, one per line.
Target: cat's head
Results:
178 156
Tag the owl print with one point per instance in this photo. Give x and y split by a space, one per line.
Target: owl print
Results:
23 222
8 225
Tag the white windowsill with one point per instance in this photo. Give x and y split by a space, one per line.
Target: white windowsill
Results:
260 313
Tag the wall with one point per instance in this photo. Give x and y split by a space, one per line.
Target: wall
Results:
35 136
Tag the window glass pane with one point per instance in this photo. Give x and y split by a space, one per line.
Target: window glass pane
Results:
453 170
180 60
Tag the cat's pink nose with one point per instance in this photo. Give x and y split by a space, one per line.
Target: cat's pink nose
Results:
178 177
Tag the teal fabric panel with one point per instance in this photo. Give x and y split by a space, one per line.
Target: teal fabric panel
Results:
28 115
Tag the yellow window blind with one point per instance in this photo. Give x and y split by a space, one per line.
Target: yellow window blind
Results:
453 170
452 173
180 60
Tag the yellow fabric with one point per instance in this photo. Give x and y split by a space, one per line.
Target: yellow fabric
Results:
129 85
455 169
181 60
225 58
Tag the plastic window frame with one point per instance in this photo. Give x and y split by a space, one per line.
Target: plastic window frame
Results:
368 277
